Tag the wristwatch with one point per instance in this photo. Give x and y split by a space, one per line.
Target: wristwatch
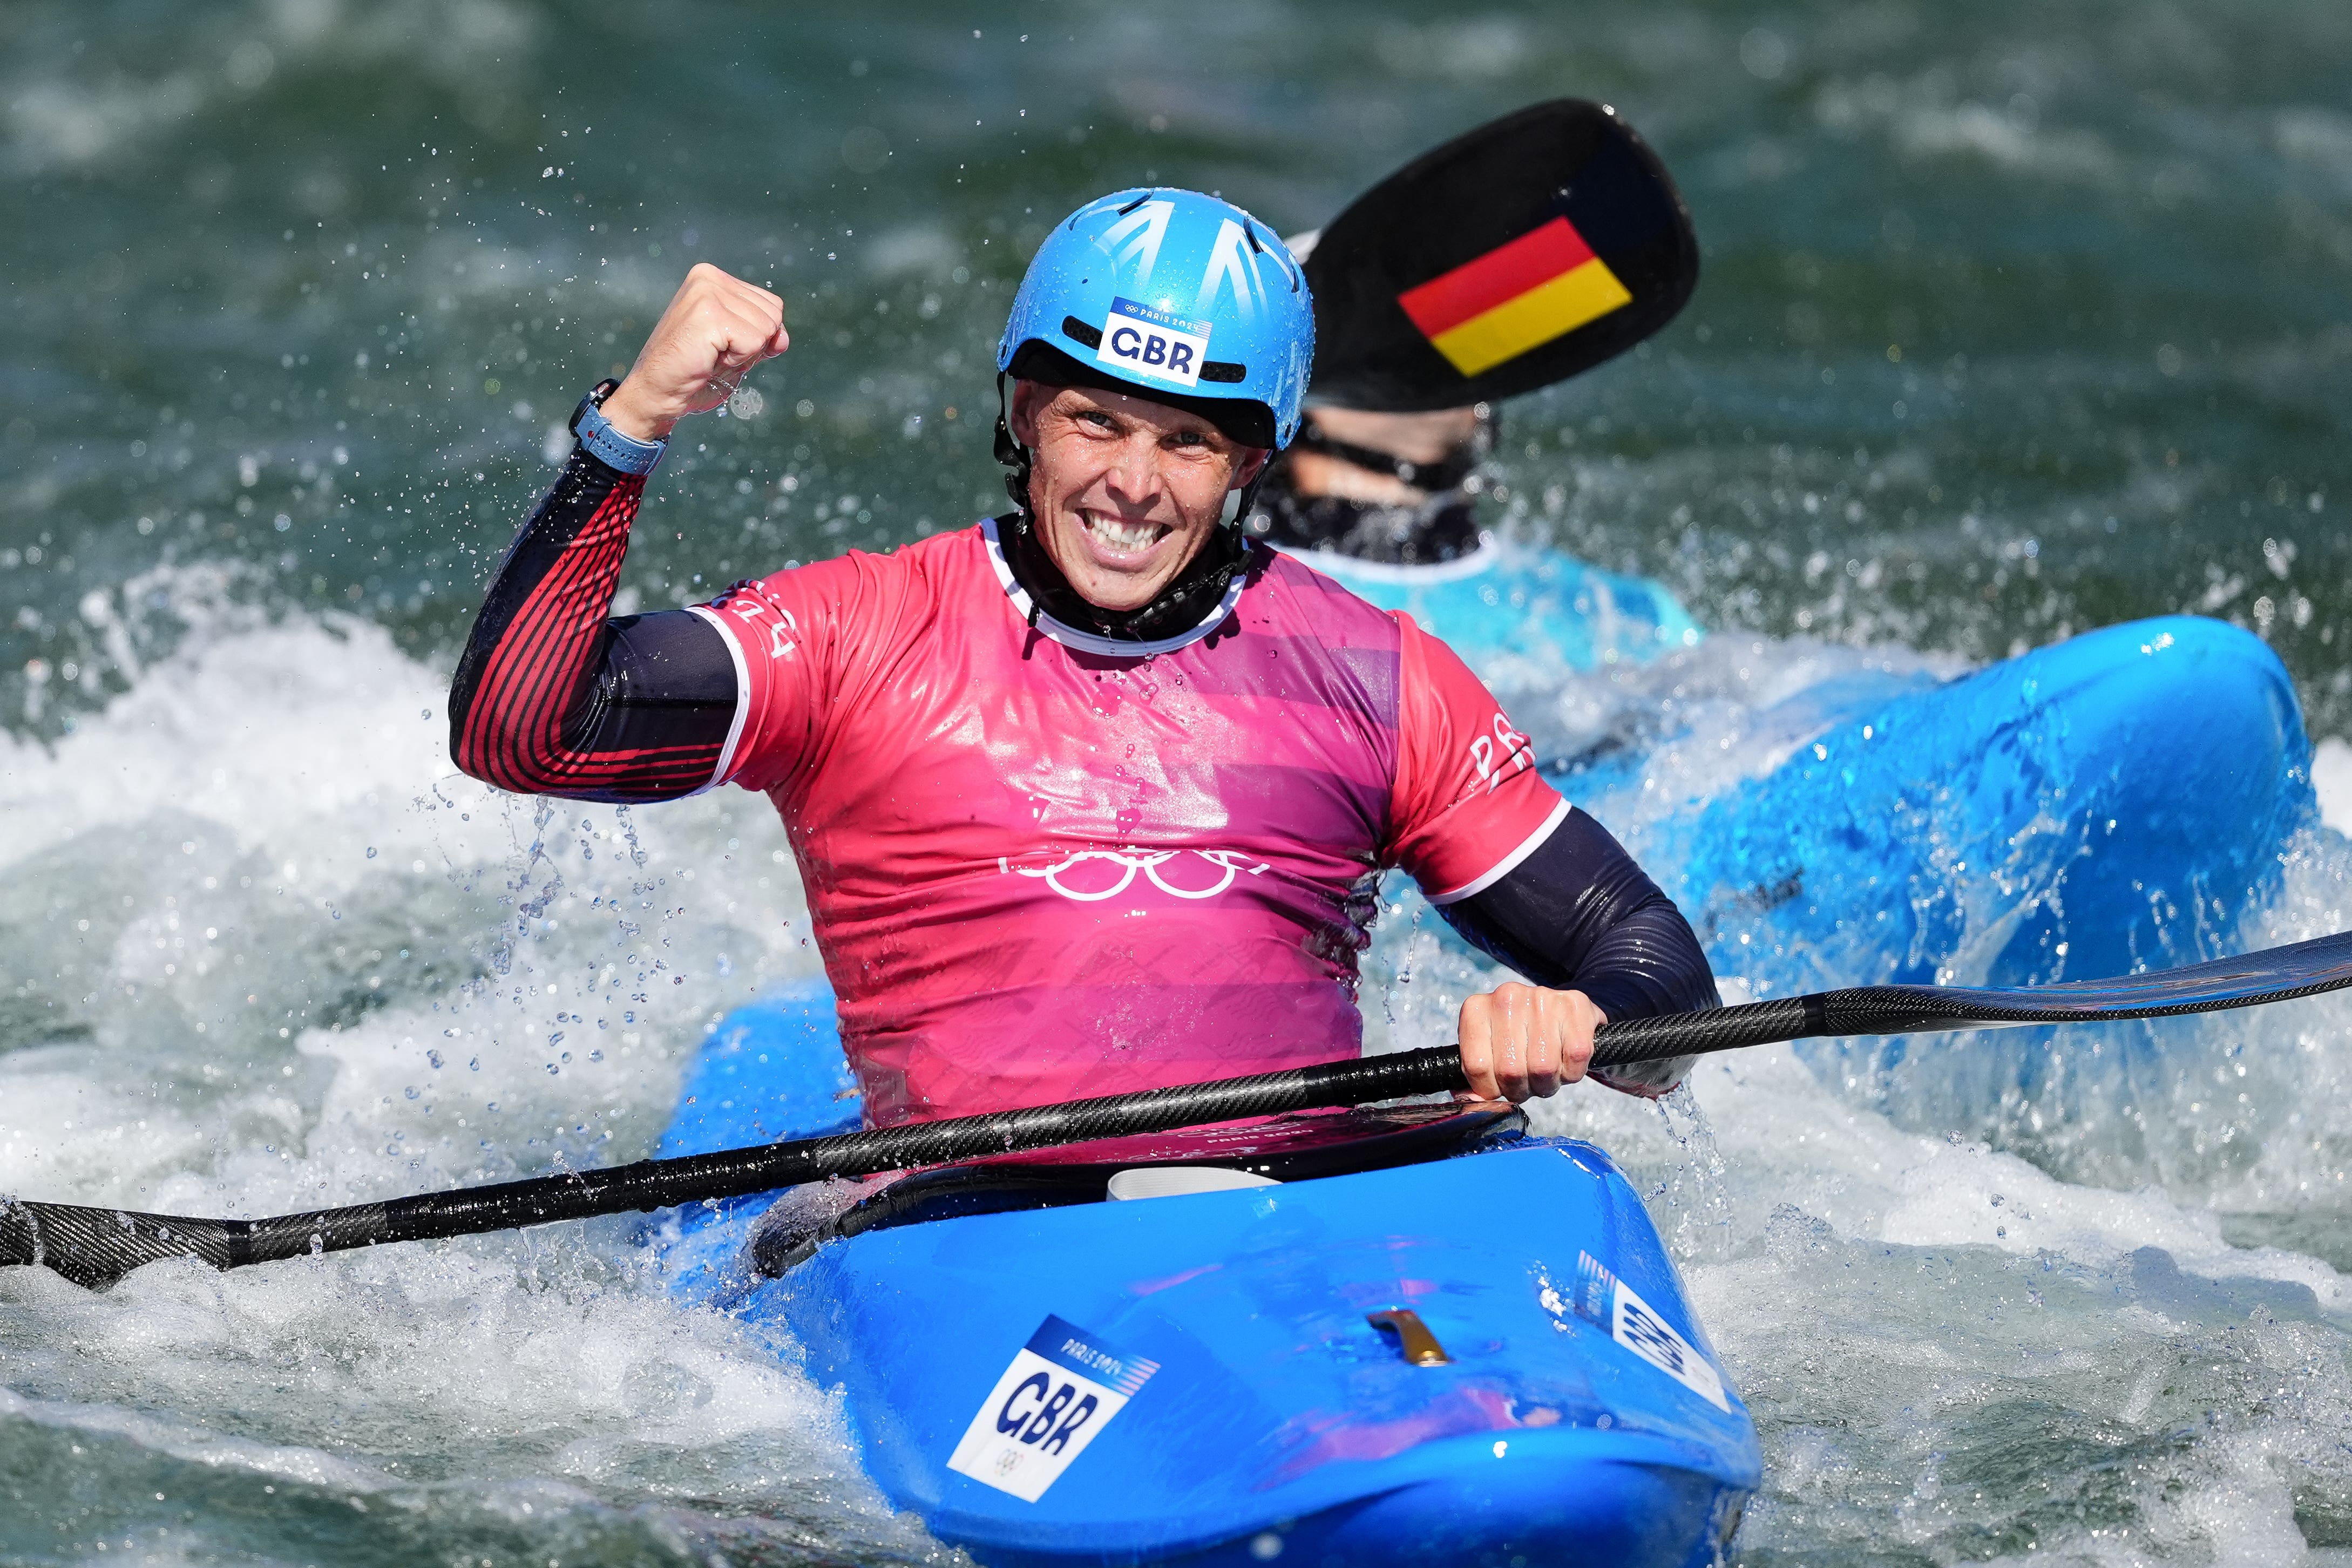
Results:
625 454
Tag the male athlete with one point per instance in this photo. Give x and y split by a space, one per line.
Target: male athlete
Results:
1094 796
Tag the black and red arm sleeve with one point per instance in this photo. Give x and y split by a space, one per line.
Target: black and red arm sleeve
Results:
1578 914
554 698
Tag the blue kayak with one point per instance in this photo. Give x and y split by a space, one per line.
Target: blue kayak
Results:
2082 811
2104 804
2108 804
1325 1343
2005 827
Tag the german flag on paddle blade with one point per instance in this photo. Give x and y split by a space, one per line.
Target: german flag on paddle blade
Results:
1517 297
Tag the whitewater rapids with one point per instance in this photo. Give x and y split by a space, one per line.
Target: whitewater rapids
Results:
270 952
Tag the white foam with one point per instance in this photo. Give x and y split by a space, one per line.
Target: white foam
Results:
1889 1319
566 1387
2331 780
265 834
270 813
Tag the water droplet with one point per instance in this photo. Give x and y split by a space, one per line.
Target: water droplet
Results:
370 852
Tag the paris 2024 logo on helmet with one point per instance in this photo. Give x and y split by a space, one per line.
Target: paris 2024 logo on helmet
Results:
1176 293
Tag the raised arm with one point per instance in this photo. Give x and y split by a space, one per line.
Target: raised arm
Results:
551 696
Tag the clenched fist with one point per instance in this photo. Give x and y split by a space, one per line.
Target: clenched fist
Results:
1519 1040
716 328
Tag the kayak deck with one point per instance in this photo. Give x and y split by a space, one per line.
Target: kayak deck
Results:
1202 1378
1276 1405
1278 1149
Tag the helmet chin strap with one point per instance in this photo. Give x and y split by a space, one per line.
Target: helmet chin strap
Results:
1012 454
1238 503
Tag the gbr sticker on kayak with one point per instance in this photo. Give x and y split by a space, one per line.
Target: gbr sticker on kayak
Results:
1605 1299
1063 1387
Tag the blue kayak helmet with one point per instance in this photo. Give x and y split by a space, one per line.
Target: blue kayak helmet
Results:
1173 295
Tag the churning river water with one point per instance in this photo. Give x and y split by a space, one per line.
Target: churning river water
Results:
2017 320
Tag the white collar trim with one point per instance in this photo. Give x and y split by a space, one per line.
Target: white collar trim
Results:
1089 641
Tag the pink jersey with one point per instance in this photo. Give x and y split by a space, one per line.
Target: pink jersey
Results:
1045 865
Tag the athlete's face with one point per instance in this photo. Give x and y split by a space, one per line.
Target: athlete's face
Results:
1126 491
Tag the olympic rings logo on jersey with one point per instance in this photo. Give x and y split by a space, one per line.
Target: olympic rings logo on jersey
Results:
1231 865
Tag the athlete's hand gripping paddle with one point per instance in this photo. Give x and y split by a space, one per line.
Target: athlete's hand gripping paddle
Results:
1518 255
96 1247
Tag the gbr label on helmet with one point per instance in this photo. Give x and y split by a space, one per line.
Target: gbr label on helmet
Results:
1140 339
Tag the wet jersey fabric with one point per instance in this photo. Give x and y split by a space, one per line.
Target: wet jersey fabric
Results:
1043 864
1507 599
1047 864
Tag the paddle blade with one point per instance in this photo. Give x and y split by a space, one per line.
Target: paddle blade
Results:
96 1247
1518 255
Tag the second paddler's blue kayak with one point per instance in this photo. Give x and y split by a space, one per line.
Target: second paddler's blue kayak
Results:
2104 804
2090 808
1508 599
1420 1337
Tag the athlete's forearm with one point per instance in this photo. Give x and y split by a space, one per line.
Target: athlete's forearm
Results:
1579 913
551 698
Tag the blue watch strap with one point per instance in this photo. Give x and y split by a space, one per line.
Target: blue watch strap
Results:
625 454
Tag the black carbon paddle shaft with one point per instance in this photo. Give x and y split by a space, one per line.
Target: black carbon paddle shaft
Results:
99 1246
1697 1034
2219 985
